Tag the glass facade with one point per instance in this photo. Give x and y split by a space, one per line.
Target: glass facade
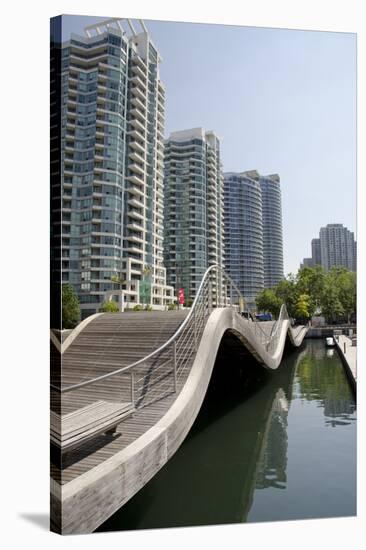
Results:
272 230
244 233
112 167
337 247
193 208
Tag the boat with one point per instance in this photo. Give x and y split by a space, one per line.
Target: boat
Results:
329 342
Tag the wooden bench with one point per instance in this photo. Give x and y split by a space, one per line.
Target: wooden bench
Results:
73 429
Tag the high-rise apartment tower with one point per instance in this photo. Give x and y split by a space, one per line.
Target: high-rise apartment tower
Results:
335 247
244 232
112 147
272 229
193 208
316 252
338 246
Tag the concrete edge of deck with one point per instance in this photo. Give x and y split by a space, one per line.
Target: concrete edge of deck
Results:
349 360
71 337
62 346
94 496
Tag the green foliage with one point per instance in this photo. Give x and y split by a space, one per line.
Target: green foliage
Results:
268 302
345 283
109 307
331 305
115 278
70 307
148 307
171 307
137 307
287 293
147 270
310 281
302 307
312 290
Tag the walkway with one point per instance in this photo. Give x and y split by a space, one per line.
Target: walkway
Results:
113 359
348 355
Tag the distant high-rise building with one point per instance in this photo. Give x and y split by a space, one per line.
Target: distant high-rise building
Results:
316 252
335 246
193 226
112 148
244 232
272 229
307 262
338 247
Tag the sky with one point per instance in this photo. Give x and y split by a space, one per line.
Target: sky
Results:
281 101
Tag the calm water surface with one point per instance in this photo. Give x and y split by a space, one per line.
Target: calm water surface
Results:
265 446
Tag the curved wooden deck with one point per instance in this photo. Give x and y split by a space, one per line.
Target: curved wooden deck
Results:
93 481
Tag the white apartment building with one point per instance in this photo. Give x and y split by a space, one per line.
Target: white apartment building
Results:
193 208
112 172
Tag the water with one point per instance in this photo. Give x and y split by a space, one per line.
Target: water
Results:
266 446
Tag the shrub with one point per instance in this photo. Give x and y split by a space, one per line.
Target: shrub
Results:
171 307
109 307
70 307
137 307
148 307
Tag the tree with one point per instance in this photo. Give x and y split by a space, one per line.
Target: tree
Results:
118 279
109 307
310 281
311 289
345 283
302 308
70 307
286 291
330 304
267 301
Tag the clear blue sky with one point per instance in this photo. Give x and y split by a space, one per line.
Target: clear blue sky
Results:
281 101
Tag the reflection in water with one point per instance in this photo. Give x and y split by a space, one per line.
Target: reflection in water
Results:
262 448
319 380
273 460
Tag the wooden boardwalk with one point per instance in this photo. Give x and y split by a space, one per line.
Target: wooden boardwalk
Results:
348 355
108 343
93 479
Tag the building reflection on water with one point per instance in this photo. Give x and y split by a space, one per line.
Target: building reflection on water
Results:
273 457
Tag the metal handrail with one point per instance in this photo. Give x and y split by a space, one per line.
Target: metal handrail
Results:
167 343
205 300
281 316
277 325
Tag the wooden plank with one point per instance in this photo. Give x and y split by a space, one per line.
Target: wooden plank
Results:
86 358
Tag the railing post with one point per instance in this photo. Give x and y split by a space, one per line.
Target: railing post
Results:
175 365
231 293
132 388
